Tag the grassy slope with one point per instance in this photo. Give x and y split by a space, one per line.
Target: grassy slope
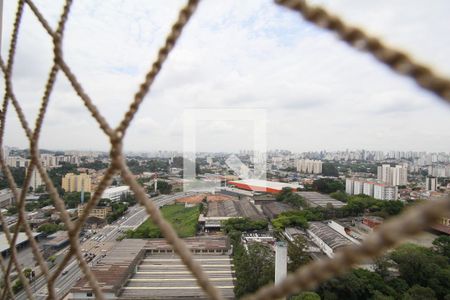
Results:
184 220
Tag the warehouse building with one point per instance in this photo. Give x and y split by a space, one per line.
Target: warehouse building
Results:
265 186
149 269
219 211
315 199
326 238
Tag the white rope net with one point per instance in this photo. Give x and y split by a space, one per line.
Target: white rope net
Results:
410 222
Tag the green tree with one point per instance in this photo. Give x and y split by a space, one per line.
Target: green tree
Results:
96 165
17 286
164 187
243 224
254 268
297 253
417 292
422 266
442 245
52 259
18 174
340 195
328 185
40 189
306 296
288 196
12 210
50 228
329 169
73 199
27 272
358 284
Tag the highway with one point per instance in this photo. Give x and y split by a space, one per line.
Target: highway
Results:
98 244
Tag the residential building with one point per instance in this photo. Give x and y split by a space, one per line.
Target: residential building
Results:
349 186
49 160
76 183
381 191
385 192
17 161
397 175
358 187
368 188
309 166
100 212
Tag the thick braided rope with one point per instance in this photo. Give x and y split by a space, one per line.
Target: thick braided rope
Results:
395 59
7 283
170 235
58 57
116 151
35 157
7 71
6 171
411 222
184 16
21 221
68 72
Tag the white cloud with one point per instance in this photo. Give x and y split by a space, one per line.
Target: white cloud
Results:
319 92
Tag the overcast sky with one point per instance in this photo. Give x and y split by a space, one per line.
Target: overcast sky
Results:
318 92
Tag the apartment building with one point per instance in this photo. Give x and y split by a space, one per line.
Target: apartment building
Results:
76 183
397 175
309 166
99 211
381 191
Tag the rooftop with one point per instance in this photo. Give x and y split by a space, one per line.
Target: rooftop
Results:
113 272
262 185
58 238
330 237
21 238
117 189
273 208
232 209
316 199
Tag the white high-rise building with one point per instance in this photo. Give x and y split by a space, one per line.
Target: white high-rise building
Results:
358 187
381 191
368 188
385 192
309 166
397 175
36 179
349 186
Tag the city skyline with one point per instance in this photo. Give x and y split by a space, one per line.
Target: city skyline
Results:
270 151
318 92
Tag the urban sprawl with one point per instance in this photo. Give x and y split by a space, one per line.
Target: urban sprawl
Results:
245 231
